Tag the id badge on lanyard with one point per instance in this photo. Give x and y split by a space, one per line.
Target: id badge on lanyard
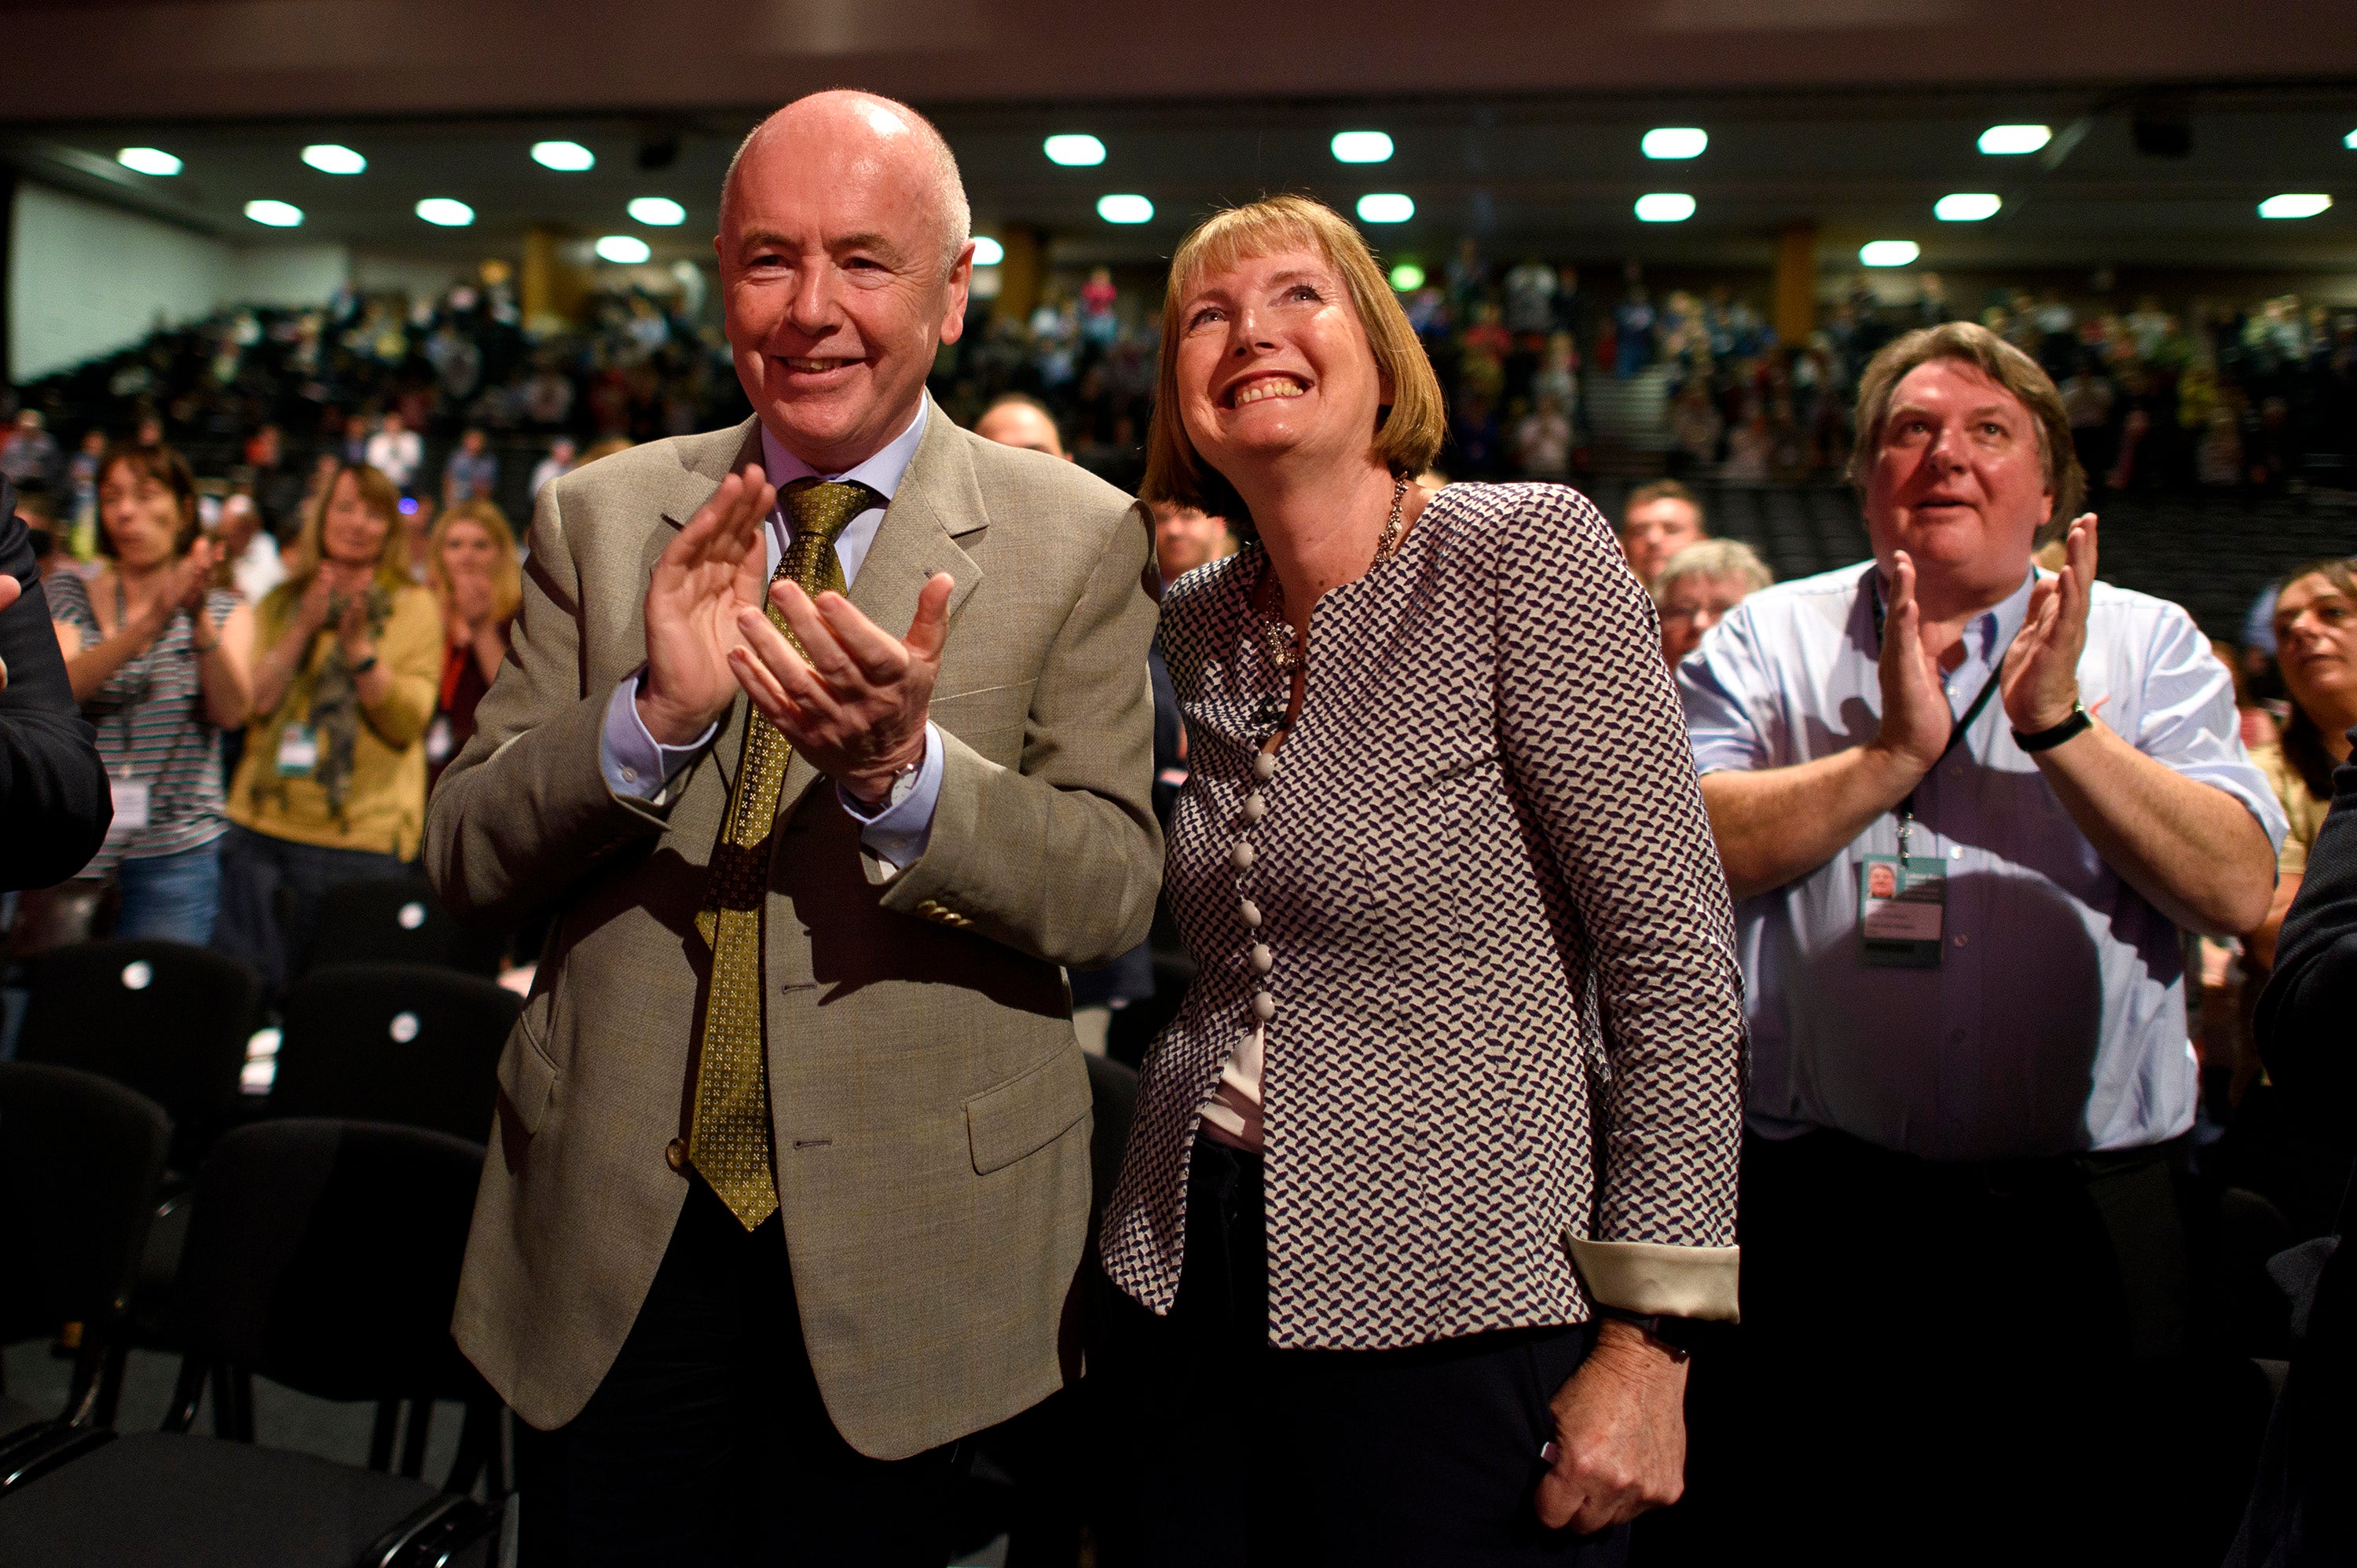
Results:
131 804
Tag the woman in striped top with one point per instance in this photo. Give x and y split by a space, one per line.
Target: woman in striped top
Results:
158 661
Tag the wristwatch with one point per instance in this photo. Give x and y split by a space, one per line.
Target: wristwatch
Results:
2078 724
1674 1334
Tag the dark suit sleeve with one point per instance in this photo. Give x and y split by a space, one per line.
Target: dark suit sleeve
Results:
54 802
2310 1002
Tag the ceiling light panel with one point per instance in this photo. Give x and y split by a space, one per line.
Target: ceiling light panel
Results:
1675 142
148 160
987 251
1386 206
2295 205
628 249
333 158
2012 141
657 211
1125 208
564 157
445 212
276 214
1966 207
1074 150
1889 253
1362 147
1664 207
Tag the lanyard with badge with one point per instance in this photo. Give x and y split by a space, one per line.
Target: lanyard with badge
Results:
1902 899
133 797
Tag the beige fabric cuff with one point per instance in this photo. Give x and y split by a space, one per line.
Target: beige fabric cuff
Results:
1655 1279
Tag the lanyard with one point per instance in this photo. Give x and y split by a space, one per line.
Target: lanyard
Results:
1905 809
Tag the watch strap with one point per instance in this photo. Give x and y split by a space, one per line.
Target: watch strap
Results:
2080 722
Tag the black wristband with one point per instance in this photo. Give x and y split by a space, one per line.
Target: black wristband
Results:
2078 724
1671 1334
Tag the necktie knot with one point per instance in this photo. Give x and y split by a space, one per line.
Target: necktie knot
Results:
820 509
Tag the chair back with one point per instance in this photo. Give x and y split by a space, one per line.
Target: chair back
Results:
397 919
81 1159
414 1043
165 1018
324 1254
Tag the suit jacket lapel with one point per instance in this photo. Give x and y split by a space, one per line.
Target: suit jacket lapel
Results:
939 501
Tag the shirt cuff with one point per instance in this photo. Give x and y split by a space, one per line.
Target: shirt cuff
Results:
637 767
897 831
1655 1279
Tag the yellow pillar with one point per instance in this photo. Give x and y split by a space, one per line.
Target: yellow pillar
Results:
1796 313
552 286
1020 271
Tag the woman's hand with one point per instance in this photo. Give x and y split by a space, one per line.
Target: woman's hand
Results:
193 577
312 610
1620 1435
471 604
352 631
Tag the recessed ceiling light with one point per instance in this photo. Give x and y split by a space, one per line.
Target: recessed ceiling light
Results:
331 157
1362 147
627 249
1407 277
657 211
1675 142
1074 150
1124 209
148 160
2010 141
1386 206
1966 207
276 214
1889 253
564 157
1664 207
2294 205
445 212
987 251
2350 141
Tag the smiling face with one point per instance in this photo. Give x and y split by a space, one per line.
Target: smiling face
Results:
352 532
2315 642
141 515
468 550
833 273
1274 366
1958 482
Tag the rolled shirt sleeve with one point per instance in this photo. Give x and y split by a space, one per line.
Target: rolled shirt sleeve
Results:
1721 686
2188 723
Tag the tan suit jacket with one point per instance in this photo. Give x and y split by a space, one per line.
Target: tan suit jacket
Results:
930 1105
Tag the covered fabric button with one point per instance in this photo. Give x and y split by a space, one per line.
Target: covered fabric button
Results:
1264 1006
1254 807
1265 767
1262 959
1248 912
1241 857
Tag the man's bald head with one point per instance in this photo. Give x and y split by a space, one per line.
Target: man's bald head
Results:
1016 421
894 130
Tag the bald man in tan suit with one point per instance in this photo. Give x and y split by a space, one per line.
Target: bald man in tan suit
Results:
791 1164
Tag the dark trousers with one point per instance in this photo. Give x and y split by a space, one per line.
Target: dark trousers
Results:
1951 1362
270 893
708 1444
1222 1451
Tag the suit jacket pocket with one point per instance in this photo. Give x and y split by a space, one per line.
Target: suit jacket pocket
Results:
526 1074
1028 1111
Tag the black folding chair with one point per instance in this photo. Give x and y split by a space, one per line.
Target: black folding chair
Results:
397 919
323 1255
79 1161
165 1018
394 1042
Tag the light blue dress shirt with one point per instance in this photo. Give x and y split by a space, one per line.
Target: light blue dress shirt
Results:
636 766
2055 1022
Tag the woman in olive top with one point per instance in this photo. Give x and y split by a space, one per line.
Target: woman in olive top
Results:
347 652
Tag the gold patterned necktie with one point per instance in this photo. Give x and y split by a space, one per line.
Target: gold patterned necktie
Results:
728 1141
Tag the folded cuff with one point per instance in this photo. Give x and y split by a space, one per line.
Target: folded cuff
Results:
1657 1280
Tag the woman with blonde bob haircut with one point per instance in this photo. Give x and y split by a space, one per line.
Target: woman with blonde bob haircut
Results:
470 559
1459 1073
332 786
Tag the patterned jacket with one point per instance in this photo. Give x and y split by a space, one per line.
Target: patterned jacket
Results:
1502 1077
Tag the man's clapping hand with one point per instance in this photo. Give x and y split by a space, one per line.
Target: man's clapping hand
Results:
703 578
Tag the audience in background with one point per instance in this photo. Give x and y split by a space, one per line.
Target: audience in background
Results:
1658 521
29 456
477 582
53 789
557 464
471 472
249 554
158 658
1185 537
1701 584
394 451
1018 420
2315 626
349 656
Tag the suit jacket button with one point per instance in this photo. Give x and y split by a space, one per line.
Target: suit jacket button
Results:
675 1153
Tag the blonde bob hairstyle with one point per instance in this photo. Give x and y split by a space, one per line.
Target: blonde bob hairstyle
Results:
377 494
507 572
1970 343
1408 429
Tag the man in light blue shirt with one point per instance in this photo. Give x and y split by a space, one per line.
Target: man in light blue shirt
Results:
1967 810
